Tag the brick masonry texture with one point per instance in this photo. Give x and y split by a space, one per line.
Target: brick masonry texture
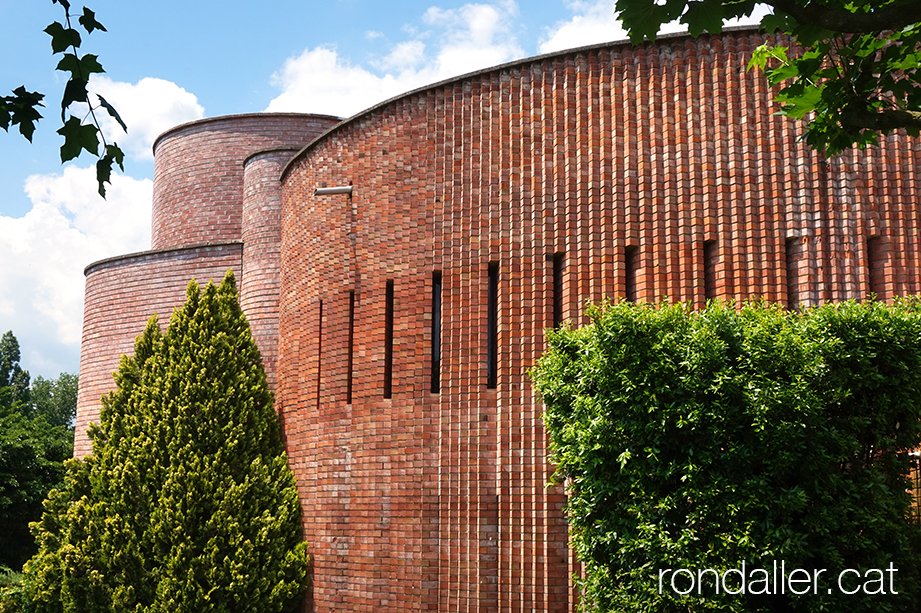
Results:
653 171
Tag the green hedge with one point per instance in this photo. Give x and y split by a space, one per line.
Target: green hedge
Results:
705 440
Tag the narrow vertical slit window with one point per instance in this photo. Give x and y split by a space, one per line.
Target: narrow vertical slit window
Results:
559 263
710 256
791 258
875 265
351 349
319 351
492 327
631 262
436 332
388 341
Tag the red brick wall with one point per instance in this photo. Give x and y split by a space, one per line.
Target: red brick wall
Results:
198 174
438 501
121 295
261 245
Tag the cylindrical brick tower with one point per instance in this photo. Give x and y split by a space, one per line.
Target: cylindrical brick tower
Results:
198 174
198 232
261 248
122 293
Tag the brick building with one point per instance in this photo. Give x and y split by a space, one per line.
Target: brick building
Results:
399 314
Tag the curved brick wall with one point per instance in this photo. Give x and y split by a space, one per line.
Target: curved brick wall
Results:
121 295
198 173
649 171
261 235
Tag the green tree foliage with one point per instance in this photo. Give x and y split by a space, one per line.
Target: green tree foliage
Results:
36 436
712 439
55 399
9 577
14 381
32 455
187 503
80 134
854 73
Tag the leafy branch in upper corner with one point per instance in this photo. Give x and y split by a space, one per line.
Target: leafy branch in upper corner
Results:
21 108
853 72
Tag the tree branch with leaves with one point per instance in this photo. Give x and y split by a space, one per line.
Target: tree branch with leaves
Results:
853 72
21 108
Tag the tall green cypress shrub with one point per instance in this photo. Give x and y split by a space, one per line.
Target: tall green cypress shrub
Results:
707 440
187 503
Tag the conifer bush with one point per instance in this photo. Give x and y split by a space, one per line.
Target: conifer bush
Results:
187 503
712 439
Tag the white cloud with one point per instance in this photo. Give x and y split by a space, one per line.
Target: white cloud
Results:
755 18
596 22
408 54
68 227
477 35
593 22
148 107
453 42
319 81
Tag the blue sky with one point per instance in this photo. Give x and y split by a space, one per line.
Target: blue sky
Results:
171 61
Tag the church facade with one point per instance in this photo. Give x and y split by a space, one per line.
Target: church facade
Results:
400 268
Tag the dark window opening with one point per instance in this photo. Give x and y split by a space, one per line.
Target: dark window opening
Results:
559 263
710 258
791 256
351 348
875 266
436 332
319 352
492 329
631 262
388 342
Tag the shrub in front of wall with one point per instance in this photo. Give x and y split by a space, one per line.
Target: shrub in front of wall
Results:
187 503
730 440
